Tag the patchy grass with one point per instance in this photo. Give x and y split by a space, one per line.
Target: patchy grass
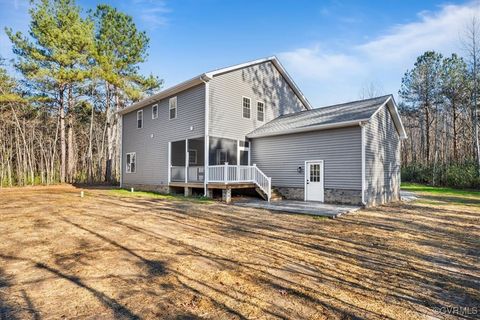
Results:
415 187
444 196
113 255
156 195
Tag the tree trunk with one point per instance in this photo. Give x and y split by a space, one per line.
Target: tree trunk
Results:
71 158
454 124
63 147
427 134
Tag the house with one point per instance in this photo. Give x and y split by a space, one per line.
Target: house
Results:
249 126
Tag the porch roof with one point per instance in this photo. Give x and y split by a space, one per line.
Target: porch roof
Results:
335 116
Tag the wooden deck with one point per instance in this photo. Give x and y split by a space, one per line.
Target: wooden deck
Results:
214 185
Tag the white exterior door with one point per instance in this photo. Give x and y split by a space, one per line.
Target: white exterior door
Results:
314 180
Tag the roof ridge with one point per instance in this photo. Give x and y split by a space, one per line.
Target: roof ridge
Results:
355 101
330 106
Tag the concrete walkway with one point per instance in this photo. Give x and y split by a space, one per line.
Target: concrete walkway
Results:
301 207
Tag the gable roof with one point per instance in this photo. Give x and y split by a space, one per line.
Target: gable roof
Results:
335 116
207 76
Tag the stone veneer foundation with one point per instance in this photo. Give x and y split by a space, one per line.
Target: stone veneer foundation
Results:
148 187
342 196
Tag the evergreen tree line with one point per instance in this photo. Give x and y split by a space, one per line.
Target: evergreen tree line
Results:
440 113
75 69
58 120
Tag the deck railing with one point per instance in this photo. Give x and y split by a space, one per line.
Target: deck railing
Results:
236 174
223 174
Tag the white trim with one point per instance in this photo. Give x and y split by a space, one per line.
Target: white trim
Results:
350 123
392 107
263 112
191 152
322 175
238 152
170 107
205 77
169 165
250 107
129 169
206 139
154 116
186 160
363 163
121 150
166 93
280 69
140 112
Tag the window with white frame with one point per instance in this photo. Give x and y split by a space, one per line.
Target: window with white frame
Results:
140 119
172 107
222 156
131 162
192 156
246 108
155 111
260 111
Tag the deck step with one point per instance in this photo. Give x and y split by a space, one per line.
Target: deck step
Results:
275 196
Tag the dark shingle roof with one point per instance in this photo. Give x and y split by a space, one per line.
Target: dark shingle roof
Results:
345 112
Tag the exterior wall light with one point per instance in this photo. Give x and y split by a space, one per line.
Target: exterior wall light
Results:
299 169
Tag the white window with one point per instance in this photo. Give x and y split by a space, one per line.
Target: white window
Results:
222 156
140 119
172 103
131 162
192 156
246 108
260 111
155 111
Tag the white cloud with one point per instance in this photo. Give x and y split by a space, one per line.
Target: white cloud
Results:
319 64
338 76
152 13
440 31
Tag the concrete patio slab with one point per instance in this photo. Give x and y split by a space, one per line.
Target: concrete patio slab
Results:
299 207
407 196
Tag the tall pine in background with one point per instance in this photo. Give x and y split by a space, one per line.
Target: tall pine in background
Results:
56 55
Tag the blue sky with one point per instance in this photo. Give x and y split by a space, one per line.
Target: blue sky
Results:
332 49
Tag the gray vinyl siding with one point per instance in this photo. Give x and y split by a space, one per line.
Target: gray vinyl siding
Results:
152 152
261 82
382 159
340 149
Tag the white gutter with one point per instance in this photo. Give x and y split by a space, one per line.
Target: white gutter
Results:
311 128
165 93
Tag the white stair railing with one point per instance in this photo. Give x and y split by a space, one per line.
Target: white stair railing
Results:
263 182
233 173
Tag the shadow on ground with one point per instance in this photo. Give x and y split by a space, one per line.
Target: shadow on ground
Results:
131 258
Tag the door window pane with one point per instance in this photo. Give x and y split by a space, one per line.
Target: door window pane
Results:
315 173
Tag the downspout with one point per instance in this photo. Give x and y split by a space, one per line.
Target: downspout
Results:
206 142
121 150
362 128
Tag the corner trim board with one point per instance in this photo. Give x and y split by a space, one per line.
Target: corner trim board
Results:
362 126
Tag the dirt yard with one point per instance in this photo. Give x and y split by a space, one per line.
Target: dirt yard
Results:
111 255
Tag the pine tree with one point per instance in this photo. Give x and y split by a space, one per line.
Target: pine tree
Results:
421 88
119 49
56 54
